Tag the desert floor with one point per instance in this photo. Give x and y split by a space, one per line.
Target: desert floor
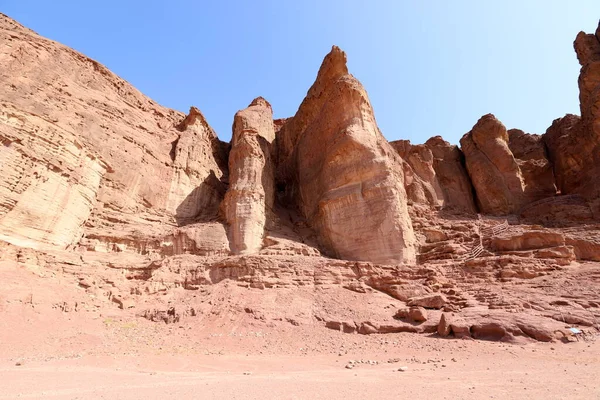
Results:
60 355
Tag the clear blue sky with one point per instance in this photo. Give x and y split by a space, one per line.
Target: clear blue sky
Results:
430 67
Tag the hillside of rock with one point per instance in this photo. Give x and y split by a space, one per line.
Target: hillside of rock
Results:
312 220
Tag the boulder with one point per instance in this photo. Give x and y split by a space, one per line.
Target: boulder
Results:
417 314
435 301
450 324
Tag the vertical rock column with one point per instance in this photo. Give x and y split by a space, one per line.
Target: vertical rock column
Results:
494 172
249 199
451 175
573 143
350 184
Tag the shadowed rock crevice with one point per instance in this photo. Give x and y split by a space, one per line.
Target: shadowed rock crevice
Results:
202 204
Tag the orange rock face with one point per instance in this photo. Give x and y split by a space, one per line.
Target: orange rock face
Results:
495 174
452 176
249 198
349 179
143 210
420 180
574 143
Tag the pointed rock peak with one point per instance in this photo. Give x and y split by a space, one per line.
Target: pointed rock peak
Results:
190 119
334 65
260 101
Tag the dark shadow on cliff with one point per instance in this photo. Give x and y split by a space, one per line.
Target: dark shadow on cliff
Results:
202 204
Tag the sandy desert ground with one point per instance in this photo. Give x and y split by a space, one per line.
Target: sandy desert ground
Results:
58 355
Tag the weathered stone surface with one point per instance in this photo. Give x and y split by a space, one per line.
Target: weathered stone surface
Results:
452 176
417 314
530 153
249 199
494 172
436 301
561 210
574 143
200 167
420 180
528 240
119 198
78 142
349 179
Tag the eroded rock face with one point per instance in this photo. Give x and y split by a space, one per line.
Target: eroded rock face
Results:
452 175
82 149
350 181
495 174
249 199
574 143
200 166
420 180
125 195
565 152
530 154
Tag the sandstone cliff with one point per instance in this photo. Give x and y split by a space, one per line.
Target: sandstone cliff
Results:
143 209
574 143
249 198
448 162
80 141
349 179
492 167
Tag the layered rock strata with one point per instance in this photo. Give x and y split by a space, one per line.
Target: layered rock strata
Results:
574 143
133 205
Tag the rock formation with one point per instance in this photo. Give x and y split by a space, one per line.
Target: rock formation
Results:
200 166
530 154
139 207
452 176
574 143
250 196
420 180
349 179
434 175
495 174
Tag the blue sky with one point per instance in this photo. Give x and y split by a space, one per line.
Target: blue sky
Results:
430 67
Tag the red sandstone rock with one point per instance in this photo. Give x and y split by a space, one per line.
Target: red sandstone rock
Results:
249 199
111 200
436 301
495 174
530 153
452 175
420 180
349 179
574 143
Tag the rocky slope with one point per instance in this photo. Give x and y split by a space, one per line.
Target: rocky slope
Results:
313 220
